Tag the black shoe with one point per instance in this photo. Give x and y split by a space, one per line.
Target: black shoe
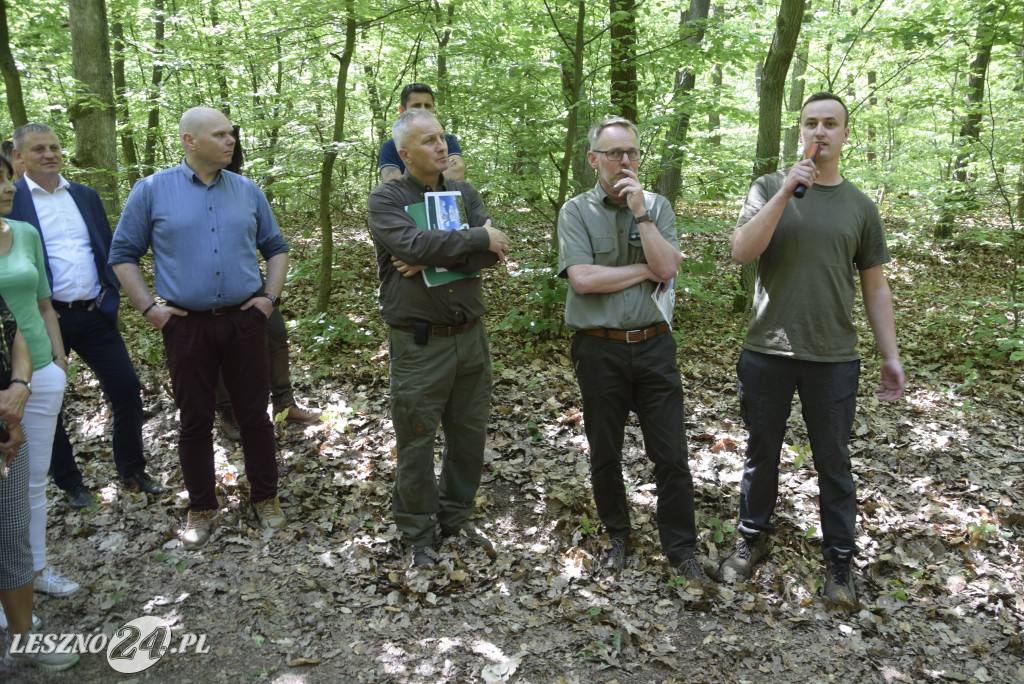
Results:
79 497
143 482
839 580
615 555
424 557
740 564
229 426
692 570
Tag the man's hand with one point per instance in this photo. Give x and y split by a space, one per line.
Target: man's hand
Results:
893 381
499 241
159 315
803 172
265 306
405 269
629 187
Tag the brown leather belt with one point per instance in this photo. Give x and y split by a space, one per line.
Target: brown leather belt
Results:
440 330
627 335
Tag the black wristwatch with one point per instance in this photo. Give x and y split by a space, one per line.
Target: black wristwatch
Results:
26 383
643 219
274 299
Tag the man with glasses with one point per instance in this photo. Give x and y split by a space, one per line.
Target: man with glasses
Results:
618 246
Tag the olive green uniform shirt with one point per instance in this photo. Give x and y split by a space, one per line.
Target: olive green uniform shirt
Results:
592 229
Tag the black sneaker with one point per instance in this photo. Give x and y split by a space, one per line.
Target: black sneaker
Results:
229 425
692 570
79 497
615 555
739 565
839 580
144 483
424 557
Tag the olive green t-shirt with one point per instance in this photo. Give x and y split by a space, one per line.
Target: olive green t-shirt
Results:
805 287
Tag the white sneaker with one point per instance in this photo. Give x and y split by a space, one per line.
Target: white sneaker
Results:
53 584
36 622
51 662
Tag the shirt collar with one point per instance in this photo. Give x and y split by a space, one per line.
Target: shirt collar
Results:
193 177
420 186
605 199
62 182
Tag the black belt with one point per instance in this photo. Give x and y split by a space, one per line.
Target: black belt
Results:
638 335
215 311
78 304
440 330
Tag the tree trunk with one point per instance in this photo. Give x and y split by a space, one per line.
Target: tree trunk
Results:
153 120
773 82
797 93
131 157
92 112
623 58
323 299
12 79
957 200
691 31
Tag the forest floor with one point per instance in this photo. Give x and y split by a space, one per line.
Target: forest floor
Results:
330 598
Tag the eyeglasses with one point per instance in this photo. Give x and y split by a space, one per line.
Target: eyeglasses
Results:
616 155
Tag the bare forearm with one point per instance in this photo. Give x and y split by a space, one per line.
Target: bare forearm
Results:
52 326
751 239
134 285
591 278
277 272
662 257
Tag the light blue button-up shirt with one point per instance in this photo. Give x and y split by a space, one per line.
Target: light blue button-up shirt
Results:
204 238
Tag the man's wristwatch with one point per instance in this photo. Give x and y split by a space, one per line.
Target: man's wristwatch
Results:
26 383
643 219
274 299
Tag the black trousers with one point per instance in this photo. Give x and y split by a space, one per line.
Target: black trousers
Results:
615 377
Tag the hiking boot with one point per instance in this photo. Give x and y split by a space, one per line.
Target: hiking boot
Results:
197 530
53 584
50 662
269 513
79 497
839 580
229 425
423 557
475 537
614 558
739 565
692 570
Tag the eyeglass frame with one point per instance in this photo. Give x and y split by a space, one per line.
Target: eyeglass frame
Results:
608 154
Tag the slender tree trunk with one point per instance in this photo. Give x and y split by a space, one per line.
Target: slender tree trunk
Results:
323 299
623 55
691 30
773 81
12 79
131 157
153 120
970 131
92 112
796 91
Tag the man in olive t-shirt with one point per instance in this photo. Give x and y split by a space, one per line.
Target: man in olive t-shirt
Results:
802 338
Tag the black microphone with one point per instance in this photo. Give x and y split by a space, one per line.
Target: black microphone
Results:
812 153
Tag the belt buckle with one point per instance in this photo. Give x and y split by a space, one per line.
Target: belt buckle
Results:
641 331
217 310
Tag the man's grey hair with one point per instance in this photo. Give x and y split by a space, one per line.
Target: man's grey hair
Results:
404 122
595 130
19 135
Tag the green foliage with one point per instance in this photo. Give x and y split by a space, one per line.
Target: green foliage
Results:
321 332
720 529
604 654
589 527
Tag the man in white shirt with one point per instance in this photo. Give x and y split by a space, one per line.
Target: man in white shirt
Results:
76 241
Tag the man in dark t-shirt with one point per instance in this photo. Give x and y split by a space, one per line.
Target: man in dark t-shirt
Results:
801 337
390 164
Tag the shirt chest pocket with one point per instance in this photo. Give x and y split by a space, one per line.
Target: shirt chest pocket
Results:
604 249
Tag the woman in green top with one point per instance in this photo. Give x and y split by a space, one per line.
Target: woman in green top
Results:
24 285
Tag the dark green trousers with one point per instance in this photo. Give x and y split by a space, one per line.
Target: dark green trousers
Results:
445 382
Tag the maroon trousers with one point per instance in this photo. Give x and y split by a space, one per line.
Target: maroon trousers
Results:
199 346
